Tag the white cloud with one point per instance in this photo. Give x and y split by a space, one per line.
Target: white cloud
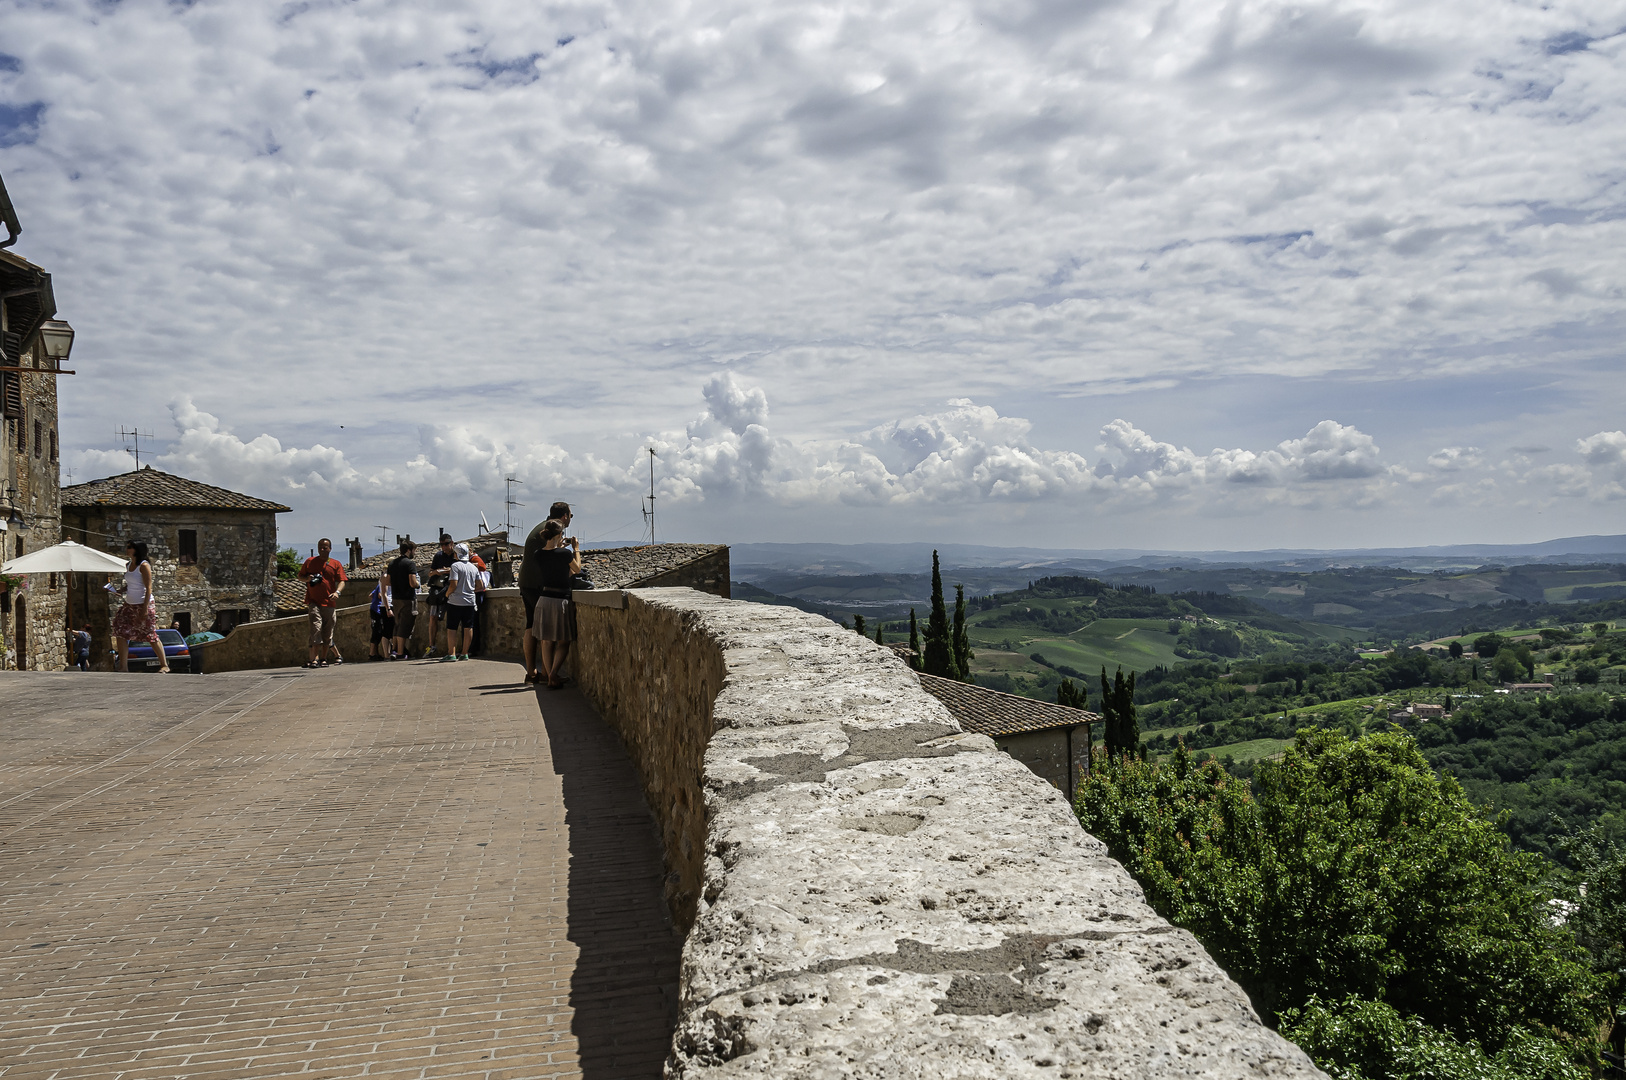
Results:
1604 448
1457 458
501 218
1328 451
964 454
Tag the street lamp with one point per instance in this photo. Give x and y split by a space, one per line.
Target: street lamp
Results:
57 338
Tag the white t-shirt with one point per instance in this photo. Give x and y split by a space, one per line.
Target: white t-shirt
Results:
463 575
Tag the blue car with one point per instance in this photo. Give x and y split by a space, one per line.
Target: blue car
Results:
142 658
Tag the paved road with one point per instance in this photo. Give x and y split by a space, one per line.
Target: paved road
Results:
403 870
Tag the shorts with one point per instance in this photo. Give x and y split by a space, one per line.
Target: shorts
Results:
323 620
528 598
383 627
554 620
406 615
459 618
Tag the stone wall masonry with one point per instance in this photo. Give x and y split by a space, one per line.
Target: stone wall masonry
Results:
867 890
286 642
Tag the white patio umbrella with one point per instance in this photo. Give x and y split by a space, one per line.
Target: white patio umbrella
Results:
66 558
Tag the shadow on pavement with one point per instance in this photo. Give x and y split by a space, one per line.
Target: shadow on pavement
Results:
624 987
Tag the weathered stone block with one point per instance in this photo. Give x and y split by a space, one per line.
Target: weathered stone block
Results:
868 890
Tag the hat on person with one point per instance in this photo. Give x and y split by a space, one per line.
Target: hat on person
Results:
461 551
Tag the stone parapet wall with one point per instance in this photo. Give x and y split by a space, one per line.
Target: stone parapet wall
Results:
285 642
867 890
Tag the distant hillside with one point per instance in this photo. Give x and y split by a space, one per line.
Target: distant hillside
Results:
752 561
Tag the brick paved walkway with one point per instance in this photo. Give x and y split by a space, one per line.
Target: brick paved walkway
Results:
403 870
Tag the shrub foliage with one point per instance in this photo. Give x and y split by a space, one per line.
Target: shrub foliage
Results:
1350 872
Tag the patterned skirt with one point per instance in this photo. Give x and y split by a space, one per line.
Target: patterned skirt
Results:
136 622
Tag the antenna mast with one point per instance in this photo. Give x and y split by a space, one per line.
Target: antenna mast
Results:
383 537
649 512
132 438
508 504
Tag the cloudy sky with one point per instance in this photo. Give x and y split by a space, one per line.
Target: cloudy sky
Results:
1058 272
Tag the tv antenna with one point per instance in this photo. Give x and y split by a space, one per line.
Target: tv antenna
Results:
132 439
508 504
383 538
649 511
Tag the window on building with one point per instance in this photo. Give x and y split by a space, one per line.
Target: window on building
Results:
53 444
39 439
183 622
53 583
22 434
189 547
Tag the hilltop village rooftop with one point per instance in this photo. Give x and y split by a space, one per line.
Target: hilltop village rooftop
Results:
745 843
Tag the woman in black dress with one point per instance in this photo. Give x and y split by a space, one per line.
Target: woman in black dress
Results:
553 624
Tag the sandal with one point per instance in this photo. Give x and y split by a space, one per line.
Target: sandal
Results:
308 664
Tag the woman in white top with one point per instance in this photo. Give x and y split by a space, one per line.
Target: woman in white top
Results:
137 619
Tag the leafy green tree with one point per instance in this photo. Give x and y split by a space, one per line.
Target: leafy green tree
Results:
1455 649
962 640
1350 869
1487 645
288 563
1599 629
1506 667
1356 1039
914 638
939 655
1586 674
1597 916
858 625
1118 714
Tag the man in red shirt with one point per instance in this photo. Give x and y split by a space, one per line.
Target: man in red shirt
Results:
324 580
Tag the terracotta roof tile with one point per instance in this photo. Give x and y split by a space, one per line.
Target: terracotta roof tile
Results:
990 712
148 486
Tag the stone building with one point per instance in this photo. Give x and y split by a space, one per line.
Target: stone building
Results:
213 551
32 346
1052 740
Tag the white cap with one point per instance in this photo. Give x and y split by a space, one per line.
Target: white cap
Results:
461 551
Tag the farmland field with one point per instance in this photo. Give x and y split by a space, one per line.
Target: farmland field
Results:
1137 644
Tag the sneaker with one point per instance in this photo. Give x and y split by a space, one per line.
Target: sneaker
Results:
463 656
448 658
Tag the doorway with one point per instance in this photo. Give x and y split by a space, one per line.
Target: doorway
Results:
21 637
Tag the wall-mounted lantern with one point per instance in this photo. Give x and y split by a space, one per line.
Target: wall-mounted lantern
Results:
57 338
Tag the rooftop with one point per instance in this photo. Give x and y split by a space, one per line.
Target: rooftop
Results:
148 486
990 712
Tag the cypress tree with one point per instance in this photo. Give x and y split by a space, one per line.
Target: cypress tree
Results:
878 639
939 656
962 639
1128 723
914 639
858 625
1118 712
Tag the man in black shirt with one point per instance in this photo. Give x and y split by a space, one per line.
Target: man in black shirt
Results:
439 569
530 580
403 578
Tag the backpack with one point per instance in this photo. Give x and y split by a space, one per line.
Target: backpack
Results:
377 606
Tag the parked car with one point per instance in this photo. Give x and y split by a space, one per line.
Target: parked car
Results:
142 658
